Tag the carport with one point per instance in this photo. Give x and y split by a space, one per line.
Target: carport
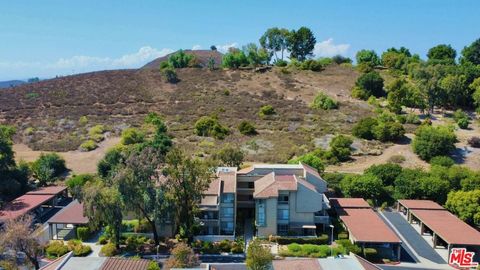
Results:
405 206
63 224
365 227
447 230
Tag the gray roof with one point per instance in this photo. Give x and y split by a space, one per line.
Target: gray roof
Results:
79 263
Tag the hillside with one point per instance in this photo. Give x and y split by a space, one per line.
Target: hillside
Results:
202 56
12 83
47 113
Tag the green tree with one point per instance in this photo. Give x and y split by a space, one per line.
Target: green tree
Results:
465 205
364 128
442 54
367 58
181 59
472 53
455 90
475 88
340 148
76 183
112 159
258 257
48 167
371 83
388 131
301 43
256 56
235 58
387 172
187 180
274 40
406 184
433 141
434 188
139 193
230 156
365 186
103 206
312 159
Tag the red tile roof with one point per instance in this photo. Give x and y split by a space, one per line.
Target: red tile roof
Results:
71 214
349 203
290 264
421 204
51 190
22 205
125 264
310 170
213 188
449 227
365 225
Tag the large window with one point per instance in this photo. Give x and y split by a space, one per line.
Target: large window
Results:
227 212
226 227
282 214
228 198
283 199
261 212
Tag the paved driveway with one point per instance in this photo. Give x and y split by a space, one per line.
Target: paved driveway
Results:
415 240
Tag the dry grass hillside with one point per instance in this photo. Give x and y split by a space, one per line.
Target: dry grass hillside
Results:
47 113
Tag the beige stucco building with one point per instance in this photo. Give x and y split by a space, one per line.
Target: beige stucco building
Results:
263 200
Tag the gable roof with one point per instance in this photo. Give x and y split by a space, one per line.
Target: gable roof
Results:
70 214
115 263
22 205
269 185
290 264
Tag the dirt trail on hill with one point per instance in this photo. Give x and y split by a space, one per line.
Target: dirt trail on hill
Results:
77 161
359 164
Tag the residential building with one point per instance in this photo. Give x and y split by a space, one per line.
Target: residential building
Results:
277 199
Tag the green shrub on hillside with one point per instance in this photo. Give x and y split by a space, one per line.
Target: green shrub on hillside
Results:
323 101
433 141
368 84
247 128
132 136
266 110
88 145
443 161
210 127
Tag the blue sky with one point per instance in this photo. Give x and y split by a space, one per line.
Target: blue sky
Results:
57 37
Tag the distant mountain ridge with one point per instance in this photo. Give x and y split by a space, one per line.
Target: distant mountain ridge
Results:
11 83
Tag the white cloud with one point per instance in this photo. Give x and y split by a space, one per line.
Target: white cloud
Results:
79 64
327 48
224 48
196 47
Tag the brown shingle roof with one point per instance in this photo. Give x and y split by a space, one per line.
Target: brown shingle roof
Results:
71 214
421 204
301 264
366 226
349 203
214 187
125 264
51 190
449 227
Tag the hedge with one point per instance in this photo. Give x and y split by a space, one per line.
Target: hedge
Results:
321 240
83 233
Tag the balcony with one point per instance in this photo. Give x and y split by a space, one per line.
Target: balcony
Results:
321 219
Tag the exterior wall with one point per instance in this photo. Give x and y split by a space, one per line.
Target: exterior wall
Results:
270 227
307 200
319 183
299 217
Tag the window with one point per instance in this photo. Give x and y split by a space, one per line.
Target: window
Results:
228 198
226 227
282 199
282 214
282 229
261 213
227 212
251 185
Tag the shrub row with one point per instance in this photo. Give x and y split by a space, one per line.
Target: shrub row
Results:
321 240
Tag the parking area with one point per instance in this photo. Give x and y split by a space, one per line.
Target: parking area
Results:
413 238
